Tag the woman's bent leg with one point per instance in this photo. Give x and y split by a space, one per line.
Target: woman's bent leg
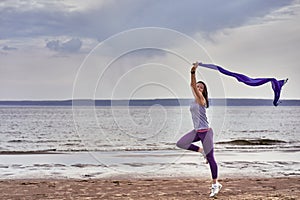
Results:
185 142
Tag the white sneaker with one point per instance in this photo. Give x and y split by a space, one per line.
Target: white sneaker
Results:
215 189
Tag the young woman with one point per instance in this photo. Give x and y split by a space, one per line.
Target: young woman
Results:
201 132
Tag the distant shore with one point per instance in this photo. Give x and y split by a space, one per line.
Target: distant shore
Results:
148 102
151 188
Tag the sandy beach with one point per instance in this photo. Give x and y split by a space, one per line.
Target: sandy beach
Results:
148 175
287 188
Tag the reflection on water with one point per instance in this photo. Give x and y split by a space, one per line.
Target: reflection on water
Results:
144 128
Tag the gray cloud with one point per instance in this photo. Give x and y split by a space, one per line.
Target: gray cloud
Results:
7 48
26 23
55 18
72 45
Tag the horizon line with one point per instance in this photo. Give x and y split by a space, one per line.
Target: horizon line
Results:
230 98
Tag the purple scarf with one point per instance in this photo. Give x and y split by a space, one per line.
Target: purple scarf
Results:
276 84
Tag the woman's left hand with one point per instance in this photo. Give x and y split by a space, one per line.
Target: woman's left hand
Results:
195 65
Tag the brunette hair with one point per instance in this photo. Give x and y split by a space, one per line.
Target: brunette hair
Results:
205 93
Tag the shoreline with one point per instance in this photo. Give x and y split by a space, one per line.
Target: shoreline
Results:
145 164
150 188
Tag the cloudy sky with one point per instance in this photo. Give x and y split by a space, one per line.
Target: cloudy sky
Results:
63 49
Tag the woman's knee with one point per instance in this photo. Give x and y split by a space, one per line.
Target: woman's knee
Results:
185 141
179 144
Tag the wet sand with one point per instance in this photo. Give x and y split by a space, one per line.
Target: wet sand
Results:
287 188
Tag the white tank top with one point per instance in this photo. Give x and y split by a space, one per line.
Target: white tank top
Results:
199 116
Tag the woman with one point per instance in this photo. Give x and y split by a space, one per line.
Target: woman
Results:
201 130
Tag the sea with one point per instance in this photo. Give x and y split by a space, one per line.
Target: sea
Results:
140 141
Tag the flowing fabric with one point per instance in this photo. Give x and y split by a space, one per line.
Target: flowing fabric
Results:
276 84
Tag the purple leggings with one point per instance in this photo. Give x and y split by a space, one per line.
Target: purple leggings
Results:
208 146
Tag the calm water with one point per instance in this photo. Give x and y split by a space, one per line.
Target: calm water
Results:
104 141
144 128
